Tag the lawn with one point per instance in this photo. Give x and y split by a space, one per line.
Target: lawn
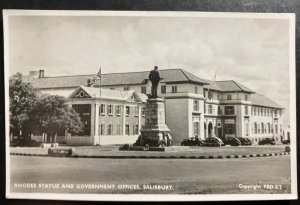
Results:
194 151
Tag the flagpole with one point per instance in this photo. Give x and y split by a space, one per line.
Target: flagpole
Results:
99 75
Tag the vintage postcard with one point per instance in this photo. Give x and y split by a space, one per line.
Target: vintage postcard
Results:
150 106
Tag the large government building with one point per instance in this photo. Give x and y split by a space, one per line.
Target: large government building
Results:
112 109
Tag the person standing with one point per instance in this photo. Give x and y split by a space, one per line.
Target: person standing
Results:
154 78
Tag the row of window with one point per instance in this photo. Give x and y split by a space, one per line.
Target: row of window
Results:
264 112
210 109
163 89
265 128
117 109
110 129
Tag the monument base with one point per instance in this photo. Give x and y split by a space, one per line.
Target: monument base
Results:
155 132
158 149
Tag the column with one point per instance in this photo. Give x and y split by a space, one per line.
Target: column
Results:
140 120
124 119
206 130
97 120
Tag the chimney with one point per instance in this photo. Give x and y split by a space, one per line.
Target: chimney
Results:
89 82
41 73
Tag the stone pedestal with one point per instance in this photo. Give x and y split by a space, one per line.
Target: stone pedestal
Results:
155 132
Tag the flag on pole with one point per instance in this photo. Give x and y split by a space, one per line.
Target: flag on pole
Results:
98 76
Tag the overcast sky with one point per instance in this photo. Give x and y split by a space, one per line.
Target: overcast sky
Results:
253 52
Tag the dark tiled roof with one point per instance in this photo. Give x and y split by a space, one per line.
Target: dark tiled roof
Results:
110 94
61 81
232 86
129 78
261 100
212 85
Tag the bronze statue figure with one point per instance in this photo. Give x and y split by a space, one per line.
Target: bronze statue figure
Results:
154 78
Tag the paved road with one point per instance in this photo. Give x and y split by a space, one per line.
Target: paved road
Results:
69 175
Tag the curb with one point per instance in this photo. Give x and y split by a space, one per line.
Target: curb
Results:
159 157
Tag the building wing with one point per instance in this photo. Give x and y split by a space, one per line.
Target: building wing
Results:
261 100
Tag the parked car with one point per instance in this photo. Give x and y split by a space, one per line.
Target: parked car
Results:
285 141
265 141
245 141
214 140
232 141
193 141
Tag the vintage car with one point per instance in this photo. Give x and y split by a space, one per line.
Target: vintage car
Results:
245 141
193 141
265 141
232 141
214 140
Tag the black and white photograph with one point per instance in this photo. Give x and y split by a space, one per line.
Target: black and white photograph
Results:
150 105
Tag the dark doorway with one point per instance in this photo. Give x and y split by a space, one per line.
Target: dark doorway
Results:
210 129
84 111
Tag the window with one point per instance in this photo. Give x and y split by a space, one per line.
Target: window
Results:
275 113
118 110
228 97
209 109
135 129
255 128
219 110
102 129
196 89
265 128
204 109
118 129
110 129
218 97
269 128
229 110
280 128
143 111
127 110
246 110
127 129
204 93
254 111
229 128
163 89
102 109
110 109
174 89
136 111
126 88
272 128
196 129
196 105
143 89
262 128
247 128
246 97
210 95
276 129
258 128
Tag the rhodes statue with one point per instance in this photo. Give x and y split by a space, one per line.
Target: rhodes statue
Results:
154 78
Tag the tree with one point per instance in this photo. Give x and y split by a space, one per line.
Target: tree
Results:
51 115
22 98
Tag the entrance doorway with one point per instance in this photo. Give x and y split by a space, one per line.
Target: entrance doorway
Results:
210 129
